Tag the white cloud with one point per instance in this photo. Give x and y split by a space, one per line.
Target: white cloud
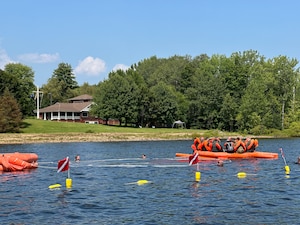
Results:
39 58
4 59
90 66
120 67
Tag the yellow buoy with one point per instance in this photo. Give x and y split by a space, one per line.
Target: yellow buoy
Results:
197 176
287 169
54 186
241 175
142 182
68 183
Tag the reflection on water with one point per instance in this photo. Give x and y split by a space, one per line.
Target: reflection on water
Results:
105 189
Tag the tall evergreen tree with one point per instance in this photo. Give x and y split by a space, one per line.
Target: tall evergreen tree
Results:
10 114
62 85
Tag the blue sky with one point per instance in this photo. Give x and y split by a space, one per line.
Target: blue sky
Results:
96 37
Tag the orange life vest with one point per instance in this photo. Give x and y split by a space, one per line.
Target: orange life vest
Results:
193 146
206 146
197 141
216 147
239 143
251 145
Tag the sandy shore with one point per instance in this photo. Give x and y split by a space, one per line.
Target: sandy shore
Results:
88 137
96 137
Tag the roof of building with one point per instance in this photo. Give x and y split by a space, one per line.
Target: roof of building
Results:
84 97
66 107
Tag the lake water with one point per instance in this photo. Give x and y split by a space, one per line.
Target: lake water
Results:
105 191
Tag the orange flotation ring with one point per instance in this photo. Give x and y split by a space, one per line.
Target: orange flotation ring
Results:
18 161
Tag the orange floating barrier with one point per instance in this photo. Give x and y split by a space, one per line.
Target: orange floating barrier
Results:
17 161
226 155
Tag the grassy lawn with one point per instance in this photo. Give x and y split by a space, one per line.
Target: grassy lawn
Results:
45 131
32 126
47 126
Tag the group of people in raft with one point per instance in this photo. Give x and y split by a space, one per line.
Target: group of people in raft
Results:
232 145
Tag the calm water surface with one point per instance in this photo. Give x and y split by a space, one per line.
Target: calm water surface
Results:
104 189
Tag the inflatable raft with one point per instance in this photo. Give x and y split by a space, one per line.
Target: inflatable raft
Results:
224 155
17 161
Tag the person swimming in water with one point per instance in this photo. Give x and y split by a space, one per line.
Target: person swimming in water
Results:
77 158
220 163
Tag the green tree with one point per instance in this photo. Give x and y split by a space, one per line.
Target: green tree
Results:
206 94
141 93
117 98
86 88
51 93
163 107
242 92
147 68
103 107
64 74
61 86
285 75
19 79
10 114
228 113
294 113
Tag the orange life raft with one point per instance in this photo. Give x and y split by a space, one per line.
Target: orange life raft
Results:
18 161
226 155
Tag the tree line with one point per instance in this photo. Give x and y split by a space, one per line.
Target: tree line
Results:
243 92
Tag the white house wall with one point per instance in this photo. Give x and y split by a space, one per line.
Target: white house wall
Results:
60 117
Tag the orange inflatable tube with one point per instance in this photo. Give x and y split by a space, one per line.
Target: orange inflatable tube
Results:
218 155
18 161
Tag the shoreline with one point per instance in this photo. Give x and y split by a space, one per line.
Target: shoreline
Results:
21 138
88 137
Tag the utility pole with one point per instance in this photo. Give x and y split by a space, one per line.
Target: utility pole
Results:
37 102
37 95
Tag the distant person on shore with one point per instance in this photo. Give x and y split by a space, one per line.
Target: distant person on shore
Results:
77 158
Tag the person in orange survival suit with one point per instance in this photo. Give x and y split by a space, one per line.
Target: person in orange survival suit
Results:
216 145
207 144
239 146
251 144
195 145
198 144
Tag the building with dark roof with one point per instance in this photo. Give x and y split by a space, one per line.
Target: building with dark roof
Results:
75 110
